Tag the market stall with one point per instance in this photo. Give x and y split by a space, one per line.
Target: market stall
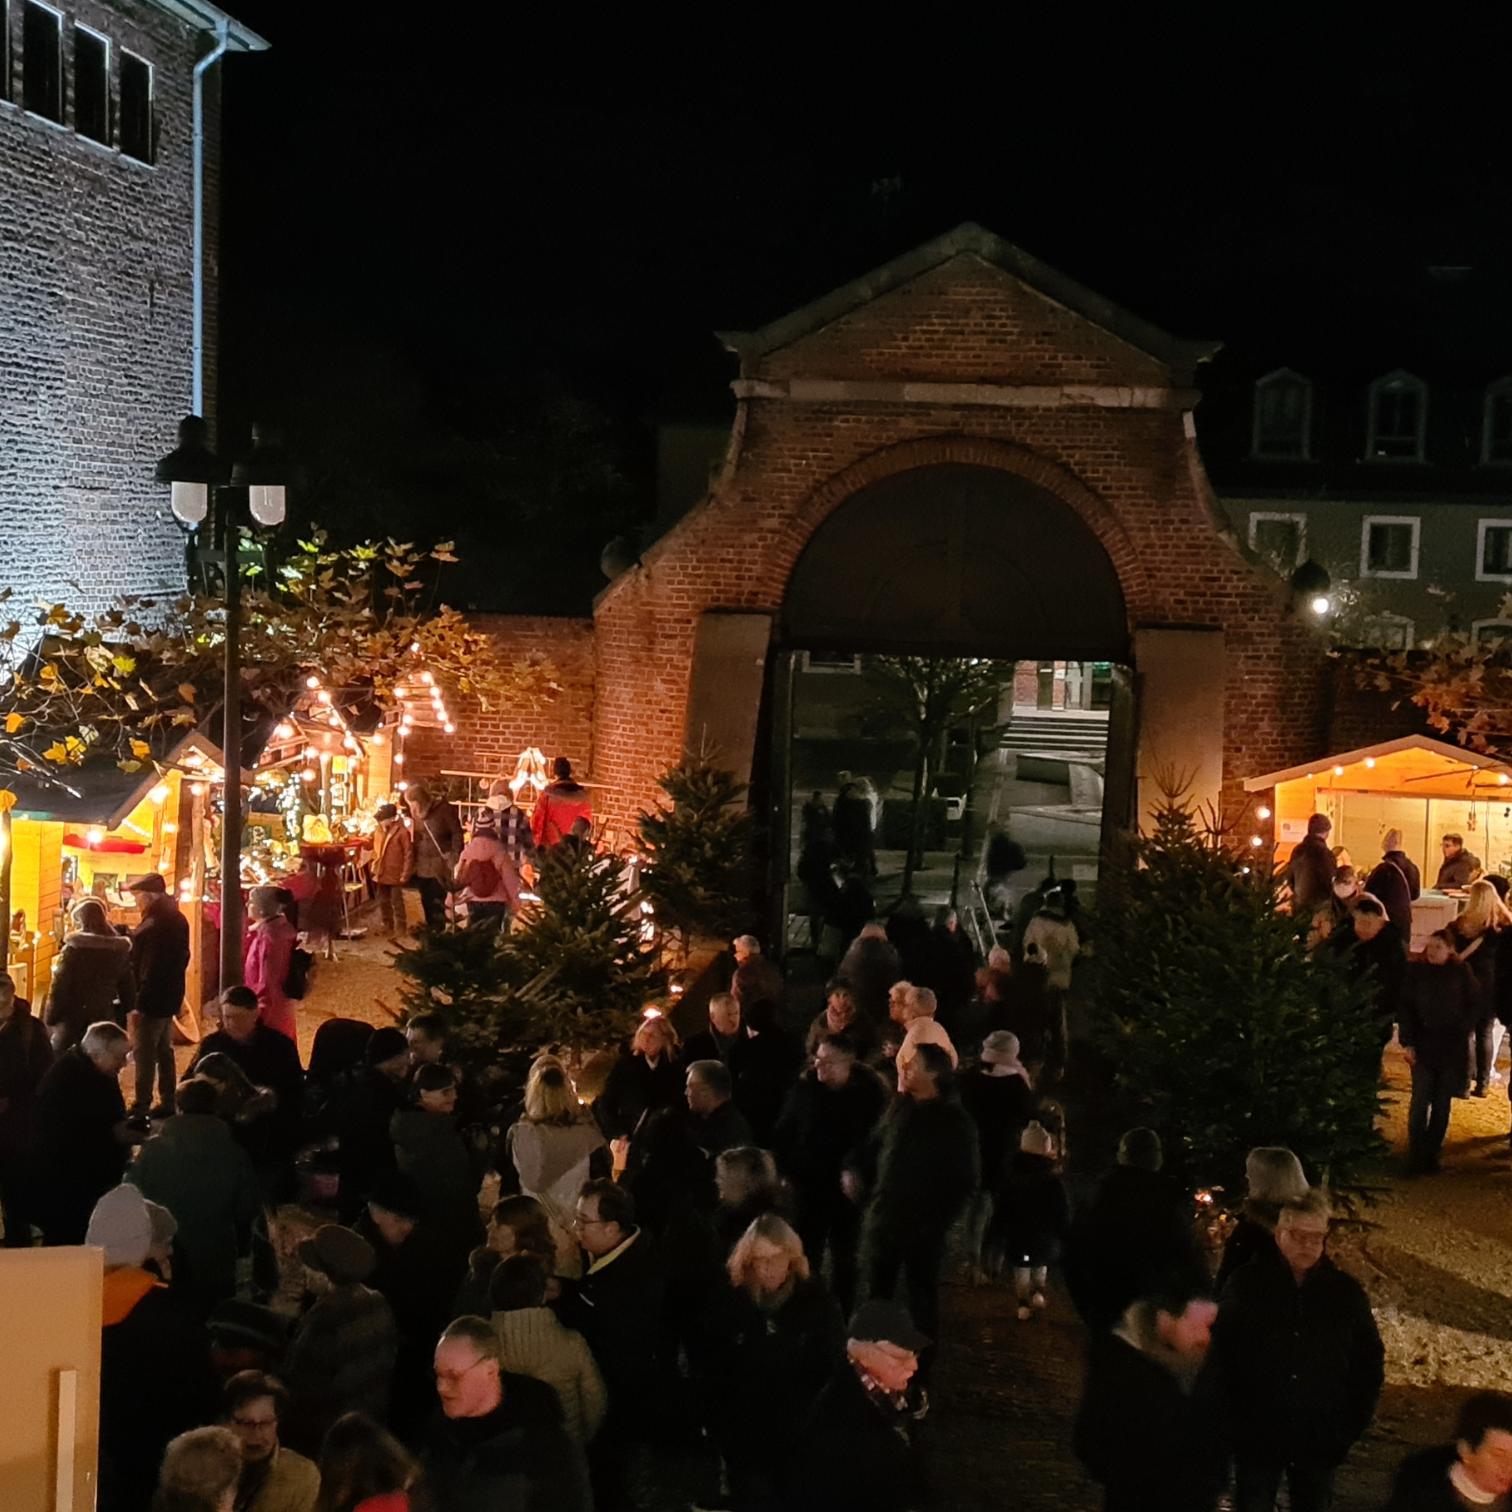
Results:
1422 787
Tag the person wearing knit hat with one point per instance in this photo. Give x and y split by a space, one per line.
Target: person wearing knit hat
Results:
121 1226
1031 1217
998 1094
377 1092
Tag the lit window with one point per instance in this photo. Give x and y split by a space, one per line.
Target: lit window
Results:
1398 416
91 92
1389 546
138 129
1493 551
1280 539
1496 436
1387 632
42 61
1283 416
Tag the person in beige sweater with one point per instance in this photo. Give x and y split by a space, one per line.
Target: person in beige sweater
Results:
536 1344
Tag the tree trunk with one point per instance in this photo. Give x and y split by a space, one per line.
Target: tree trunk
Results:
915 854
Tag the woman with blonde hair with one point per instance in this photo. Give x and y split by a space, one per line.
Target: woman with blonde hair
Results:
91 978
555 1146
200 1472
775 1338
748 1186
1273 1176
648 1075
1476 939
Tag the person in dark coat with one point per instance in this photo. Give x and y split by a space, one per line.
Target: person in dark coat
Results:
1030 1217
871 966
25 1058
1024 1003
1391 847
271 1132
922 1170
1310 872
773 1338
999 1098
617 1307
1460 867
950 969
1388 882
840 1015
766 1072
437 834
815 869
647 1077
428 1149
1437 1017
757 979
1273 1176
159 962
908 932
828 1118
1138 1225
1477 938
856 1452
1377 954
79 1132
92 980
1300 1364
724 1040
196 1170
853 825
1149 1426
1473 1472
365 1111
156 1379
499 1442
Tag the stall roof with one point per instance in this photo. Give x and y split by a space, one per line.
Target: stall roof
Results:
1463 760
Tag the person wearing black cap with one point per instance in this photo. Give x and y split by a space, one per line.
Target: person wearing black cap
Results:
855 1452
341 1357
1311 869
364 1114
159 961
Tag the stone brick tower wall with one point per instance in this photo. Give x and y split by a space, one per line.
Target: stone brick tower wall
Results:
95 311
955 356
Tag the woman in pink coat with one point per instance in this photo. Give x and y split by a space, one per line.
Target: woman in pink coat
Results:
265 965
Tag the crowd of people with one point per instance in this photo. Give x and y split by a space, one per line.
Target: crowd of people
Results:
723 1273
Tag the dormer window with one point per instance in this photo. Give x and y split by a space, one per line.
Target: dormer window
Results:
1496 433
1283 416
1398 419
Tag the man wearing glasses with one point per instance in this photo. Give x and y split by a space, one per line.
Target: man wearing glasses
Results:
500 1441
273 1478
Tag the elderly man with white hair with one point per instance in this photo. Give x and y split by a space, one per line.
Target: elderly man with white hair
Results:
757 980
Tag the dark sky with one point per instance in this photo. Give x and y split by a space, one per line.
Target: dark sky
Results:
477 218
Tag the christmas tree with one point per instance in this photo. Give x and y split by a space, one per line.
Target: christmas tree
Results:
1218 1018
699 855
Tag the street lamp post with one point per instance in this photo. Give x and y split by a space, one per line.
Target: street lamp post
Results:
198 478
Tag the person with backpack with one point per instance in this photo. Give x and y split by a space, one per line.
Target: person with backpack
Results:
489 876
269 960
437 835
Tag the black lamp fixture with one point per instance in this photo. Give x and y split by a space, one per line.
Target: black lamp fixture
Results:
193 470
264 473
1311 588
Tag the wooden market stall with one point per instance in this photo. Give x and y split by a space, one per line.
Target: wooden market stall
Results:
1425 788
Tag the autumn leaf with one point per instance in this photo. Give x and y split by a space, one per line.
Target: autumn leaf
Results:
140 749
130 766
187 692
123 664
13 722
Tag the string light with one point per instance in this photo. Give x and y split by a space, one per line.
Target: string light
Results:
1338 771
312 681
197 788
309 774
96 836
415 647
1262 812
451 729
1257 841
159 794
1370 761
426 677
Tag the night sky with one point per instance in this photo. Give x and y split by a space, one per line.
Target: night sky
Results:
470 276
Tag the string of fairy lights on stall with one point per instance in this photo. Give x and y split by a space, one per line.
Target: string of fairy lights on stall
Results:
421 706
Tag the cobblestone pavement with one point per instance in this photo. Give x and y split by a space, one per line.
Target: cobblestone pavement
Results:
1435 1254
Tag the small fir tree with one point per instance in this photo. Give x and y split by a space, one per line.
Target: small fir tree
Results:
699 855
1219 1019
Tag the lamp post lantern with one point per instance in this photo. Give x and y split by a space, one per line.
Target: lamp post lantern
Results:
199 479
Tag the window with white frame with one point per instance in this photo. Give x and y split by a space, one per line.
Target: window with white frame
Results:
1280 539
1398 419
1493 551
1389 546
1492 632
1283 416
137 128
91 88
829 661
1387 632
1496 432
42 60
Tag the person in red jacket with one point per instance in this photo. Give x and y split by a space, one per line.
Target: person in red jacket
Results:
560 805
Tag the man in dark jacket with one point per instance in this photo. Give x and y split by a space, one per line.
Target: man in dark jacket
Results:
159 960
617 1307
364 1114
1460 867
757 979
1137 1226
1388 883
25 1058
1376 952
871 966
829 1116
724 1040
1438 1010
80 1134
1310 871
924 1166
855 1452
1474 1472
1149 1424
1300 1364
500 1441
1391 850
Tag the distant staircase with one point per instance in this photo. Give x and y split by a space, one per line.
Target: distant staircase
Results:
1063 734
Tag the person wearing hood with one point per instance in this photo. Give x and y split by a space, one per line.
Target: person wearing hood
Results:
159 962
198 1171
428 1149
91 978
1031 1217
265 967
80 1136
25 1058
156 1379
392 849
562 803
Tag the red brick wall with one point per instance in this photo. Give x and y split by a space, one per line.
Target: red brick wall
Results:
489 740
1130 473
